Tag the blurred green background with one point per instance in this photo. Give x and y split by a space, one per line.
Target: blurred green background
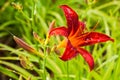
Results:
22 17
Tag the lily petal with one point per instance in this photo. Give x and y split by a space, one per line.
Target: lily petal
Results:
72 18
79 31
70 52
58 31
92 38
87 56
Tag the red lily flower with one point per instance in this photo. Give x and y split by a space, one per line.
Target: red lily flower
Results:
76 38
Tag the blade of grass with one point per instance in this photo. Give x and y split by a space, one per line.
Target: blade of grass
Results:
8 72
22 71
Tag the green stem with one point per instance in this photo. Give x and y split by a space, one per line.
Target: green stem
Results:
44 63
44 74
67 70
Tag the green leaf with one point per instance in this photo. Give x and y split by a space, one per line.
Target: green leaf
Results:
8 72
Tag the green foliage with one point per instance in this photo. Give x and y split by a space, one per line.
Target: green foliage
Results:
22 17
